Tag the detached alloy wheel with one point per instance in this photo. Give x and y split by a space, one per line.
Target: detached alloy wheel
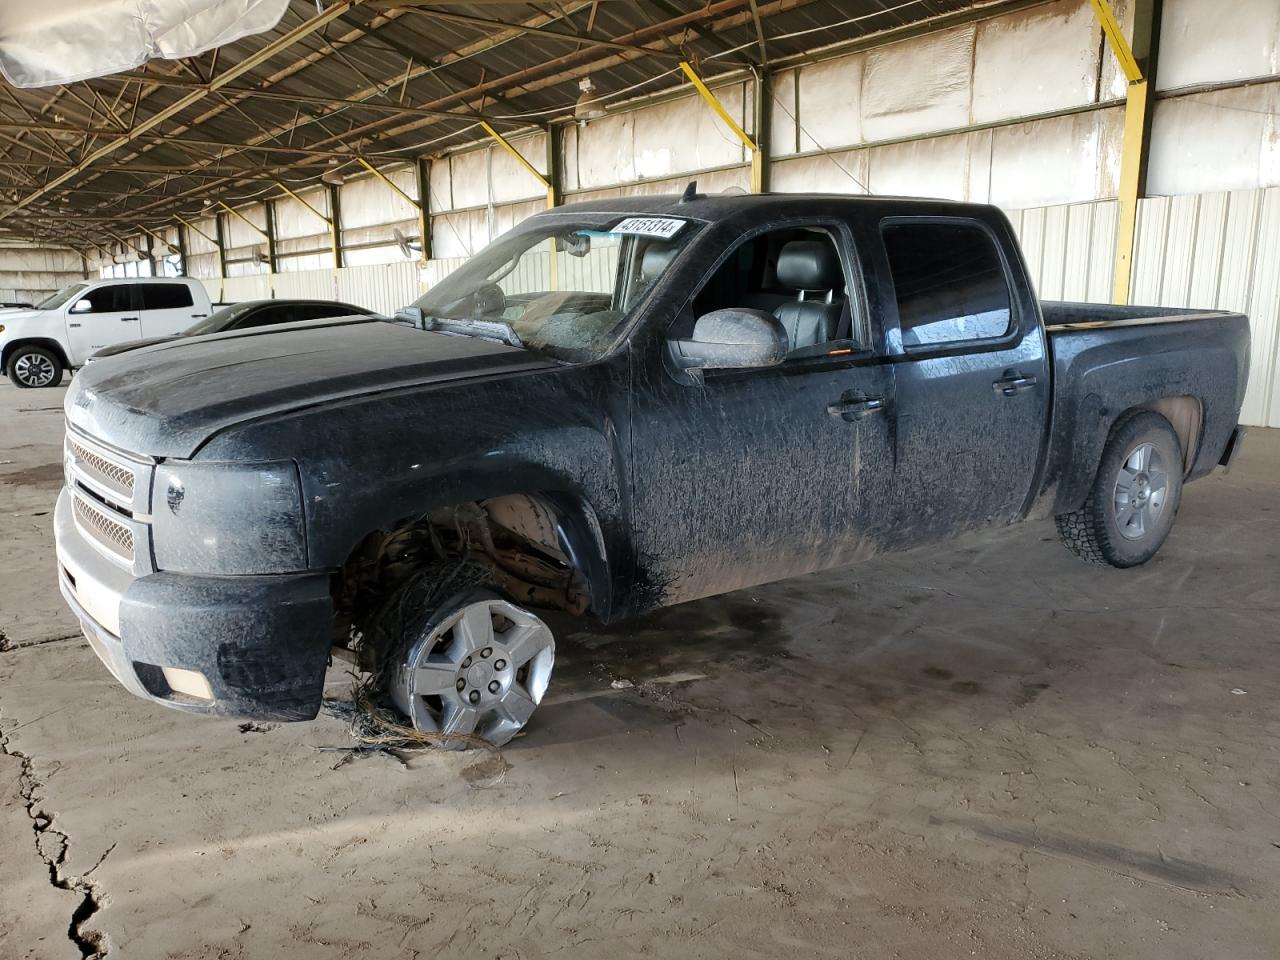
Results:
477 669
34 367
1134 498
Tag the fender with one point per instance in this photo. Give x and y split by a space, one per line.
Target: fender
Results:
1094 397
577 534
52 345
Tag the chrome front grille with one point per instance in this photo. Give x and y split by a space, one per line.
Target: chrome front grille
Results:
114 475
95 520
111 500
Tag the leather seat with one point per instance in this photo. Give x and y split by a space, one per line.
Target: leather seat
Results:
810 267
654 261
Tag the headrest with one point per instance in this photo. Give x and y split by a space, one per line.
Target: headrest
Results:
656 258
809 265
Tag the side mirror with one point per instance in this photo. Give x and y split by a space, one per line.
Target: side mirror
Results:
734 338
82 306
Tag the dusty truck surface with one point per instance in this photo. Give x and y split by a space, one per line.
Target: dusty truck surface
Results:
617 406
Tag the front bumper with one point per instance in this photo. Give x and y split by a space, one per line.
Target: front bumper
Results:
260 643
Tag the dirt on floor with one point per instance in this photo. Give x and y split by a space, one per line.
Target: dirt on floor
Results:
987 750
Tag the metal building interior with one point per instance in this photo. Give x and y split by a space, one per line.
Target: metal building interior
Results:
981 745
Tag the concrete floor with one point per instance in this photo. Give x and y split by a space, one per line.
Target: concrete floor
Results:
992 750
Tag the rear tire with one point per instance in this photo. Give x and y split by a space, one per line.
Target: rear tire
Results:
30 367
1134 498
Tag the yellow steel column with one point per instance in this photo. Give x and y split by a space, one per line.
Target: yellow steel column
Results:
757 156
1131 162
519 158
191 226
419 205
236 213
552 194
387 180
1133 155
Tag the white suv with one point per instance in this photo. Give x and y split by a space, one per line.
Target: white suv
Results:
61 331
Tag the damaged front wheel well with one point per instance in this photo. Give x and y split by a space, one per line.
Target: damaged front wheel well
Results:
529 542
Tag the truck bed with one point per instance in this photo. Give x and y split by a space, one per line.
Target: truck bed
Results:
1107 359
1068 315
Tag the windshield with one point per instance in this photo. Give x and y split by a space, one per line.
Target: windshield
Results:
55 300
217 321
565 289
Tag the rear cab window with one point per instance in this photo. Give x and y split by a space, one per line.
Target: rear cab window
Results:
165 296
949 282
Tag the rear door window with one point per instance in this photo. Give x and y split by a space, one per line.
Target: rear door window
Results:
949 282
165 296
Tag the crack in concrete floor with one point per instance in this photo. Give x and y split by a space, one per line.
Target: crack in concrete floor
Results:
52 847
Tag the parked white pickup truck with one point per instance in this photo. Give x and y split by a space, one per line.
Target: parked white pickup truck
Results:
61 331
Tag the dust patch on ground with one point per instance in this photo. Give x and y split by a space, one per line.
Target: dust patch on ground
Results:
983 749
47 476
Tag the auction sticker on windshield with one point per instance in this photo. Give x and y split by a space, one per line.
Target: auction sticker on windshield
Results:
664 227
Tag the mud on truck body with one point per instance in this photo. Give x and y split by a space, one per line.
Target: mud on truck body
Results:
618 406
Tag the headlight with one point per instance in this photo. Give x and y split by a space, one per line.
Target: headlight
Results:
228 518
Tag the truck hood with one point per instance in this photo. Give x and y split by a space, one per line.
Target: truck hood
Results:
19 314
118 348
169 399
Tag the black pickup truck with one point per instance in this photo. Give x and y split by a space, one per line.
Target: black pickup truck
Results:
617 406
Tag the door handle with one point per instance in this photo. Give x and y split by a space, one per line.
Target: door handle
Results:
1013 383
851 411
75 325
198 316
128 319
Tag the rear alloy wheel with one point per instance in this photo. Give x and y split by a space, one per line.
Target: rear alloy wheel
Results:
1141 492
476 670
31 367
1133 501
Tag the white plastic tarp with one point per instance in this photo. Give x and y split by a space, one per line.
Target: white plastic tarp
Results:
60 41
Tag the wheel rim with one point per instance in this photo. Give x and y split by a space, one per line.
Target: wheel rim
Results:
34 370
479 673
1141 492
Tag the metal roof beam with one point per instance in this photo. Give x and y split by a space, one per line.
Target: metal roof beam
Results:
337 102
458 54
542 31
161 139
227 76
729 12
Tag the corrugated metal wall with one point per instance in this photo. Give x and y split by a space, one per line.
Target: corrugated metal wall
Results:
1021 110
1219 250
1070 250
382 288
1214 250
30 273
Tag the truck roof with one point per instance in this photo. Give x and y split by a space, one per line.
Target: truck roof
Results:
140 280
713 207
